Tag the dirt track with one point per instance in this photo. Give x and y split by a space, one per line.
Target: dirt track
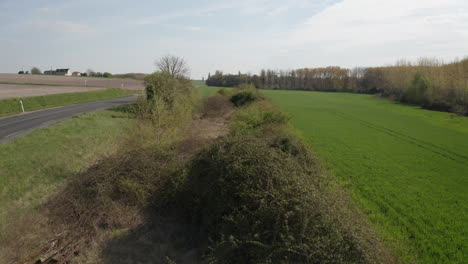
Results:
15 91
72 81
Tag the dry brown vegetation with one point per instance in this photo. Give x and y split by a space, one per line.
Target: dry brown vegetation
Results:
216 105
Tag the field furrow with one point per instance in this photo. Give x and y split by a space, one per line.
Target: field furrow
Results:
406 167
444 152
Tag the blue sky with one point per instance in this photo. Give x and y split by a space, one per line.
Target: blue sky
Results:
247 35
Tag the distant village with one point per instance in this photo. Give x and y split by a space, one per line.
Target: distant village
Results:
66 72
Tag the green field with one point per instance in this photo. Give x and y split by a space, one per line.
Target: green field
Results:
406 167
32 167
12 106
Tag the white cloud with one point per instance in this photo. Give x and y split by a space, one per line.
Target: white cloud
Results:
44 9
68 26
243 7
152 20
389 28
11 40
193 28
61 26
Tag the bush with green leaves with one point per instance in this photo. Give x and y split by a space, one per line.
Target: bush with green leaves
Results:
166 96
420 91
242 98
257 118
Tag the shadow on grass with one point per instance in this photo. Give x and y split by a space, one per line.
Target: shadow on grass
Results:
126 108
163 238
125 111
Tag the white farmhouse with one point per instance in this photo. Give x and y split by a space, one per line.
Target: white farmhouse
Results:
62 72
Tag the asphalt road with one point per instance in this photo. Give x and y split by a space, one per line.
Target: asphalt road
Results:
18 125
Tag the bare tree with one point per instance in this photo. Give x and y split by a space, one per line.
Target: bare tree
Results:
177 67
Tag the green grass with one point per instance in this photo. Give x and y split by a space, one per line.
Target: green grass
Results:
12 106
32 167
407 167
205 91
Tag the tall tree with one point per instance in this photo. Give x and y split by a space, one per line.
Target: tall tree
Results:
175 66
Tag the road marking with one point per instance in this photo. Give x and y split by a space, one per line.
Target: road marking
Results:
41 116
12 134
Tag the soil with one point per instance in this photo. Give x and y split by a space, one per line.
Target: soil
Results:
15 91
72 81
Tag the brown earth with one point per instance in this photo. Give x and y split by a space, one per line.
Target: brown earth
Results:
15 91
71 81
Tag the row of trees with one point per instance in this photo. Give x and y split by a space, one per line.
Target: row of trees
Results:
92 73
89 72
428 82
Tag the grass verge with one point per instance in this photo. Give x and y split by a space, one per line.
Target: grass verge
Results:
33 166
12 106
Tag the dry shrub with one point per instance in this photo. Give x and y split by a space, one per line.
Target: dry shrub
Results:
111 195
216 106
262 201
20 237
263 198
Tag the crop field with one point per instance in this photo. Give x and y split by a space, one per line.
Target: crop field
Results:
71 81
16 91
406 167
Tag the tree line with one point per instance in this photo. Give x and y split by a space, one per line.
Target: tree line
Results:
428 82
89 72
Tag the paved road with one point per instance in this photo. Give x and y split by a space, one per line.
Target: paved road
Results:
18 125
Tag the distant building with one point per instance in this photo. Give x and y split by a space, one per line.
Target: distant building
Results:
62 72
76 74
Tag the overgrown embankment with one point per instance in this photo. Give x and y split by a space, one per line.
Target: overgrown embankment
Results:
13 106
260 196
188 189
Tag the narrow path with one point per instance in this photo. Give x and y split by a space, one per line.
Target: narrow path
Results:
18 125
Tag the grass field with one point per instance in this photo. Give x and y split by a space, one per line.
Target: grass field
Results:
406 167
12 106
205 91
33 166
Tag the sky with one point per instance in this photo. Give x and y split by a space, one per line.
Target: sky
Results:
120 36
